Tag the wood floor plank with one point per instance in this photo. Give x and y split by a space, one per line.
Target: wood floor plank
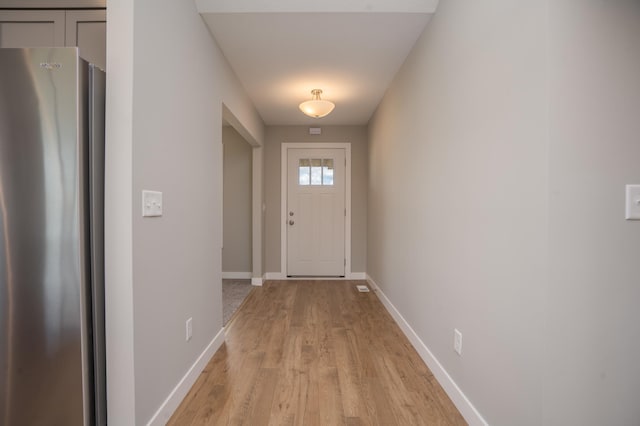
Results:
315 353
291 386
262 397
330 397
349 375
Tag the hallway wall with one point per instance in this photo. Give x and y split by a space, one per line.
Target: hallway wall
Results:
237 181
457 232
166 84
592 320
498 160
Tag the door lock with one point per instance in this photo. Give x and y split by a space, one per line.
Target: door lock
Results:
290 213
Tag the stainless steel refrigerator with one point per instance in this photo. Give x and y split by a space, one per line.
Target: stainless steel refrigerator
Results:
52 358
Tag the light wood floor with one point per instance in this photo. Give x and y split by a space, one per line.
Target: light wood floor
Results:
315 353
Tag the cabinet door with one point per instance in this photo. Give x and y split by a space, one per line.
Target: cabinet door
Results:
53 4
31 28
87 29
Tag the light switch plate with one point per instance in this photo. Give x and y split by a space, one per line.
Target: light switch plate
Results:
633 202
151 203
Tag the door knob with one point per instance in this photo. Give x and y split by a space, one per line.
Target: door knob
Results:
291 222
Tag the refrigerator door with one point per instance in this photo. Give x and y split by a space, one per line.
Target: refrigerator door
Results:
43 266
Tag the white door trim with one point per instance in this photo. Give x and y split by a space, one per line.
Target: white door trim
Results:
283 202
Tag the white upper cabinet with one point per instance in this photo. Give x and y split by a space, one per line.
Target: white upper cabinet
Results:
53 4
32 28
86 29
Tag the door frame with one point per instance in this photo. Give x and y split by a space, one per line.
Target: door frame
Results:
284 194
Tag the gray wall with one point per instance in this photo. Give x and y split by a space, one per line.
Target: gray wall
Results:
497 161
274 137
163 133
592 324
457 199
236 250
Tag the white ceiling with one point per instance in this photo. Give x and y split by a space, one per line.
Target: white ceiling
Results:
282 51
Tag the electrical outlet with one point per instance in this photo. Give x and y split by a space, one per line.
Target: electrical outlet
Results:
457 341
189 329
151 203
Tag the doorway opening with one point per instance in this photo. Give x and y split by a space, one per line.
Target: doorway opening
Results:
241 254
237 263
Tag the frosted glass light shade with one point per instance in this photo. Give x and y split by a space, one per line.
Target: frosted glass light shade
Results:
316 108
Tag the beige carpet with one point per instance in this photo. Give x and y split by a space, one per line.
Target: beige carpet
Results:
233 294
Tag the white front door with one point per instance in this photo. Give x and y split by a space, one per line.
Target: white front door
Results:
316 212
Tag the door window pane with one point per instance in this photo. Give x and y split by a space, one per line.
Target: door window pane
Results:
316 171
304 173
327 171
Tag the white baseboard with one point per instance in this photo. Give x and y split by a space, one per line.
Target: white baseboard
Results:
274 276
236 275
169 406
256 282
357 276
462 403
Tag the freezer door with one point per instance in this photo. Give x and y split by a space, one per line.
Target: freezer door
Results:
43 267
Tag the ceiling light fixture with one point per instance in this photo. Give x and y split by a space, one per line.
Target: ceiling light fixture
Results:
316 107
